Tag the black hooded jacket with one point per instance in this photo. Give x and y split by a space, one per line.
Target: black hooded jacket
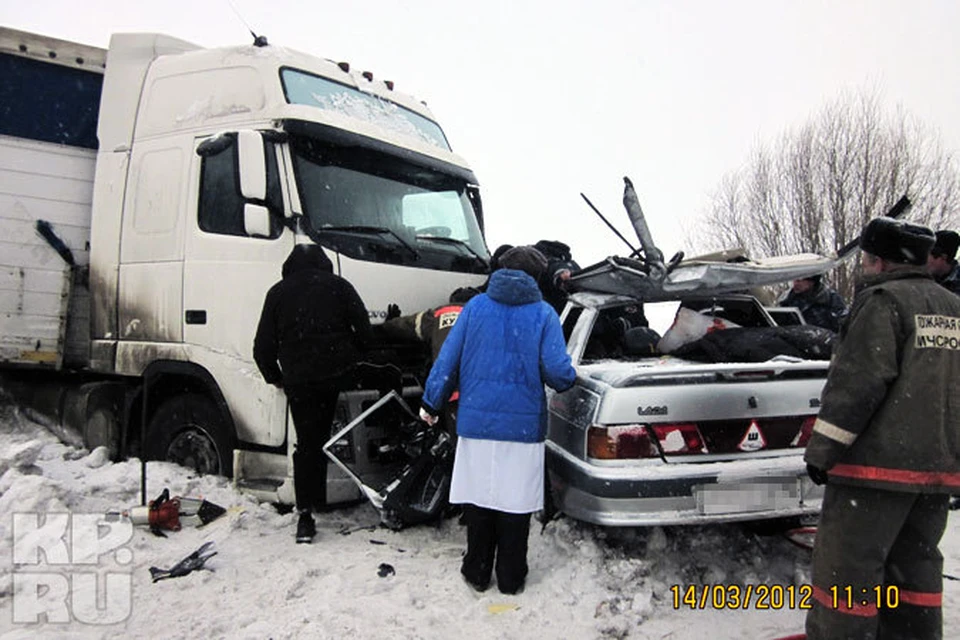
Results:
313 326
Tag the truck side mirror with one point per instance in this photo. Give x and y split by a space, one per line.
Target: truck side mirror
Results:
256 220
253 166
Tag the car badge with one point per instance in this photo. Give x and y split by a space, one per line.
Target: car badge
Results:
753 439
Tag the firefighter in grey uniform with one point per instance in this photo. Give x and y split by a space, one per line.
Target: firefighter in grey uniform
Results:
432 327
887 441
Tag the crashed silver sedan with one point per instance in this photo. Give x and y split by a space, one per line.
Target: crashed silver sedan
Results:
704 423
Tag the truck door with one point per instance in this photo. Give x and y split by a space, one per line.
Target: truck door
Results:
227 272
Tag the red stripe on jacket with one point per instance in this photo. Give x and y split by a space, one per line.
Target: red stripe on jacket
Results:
921 598
901 476
448 309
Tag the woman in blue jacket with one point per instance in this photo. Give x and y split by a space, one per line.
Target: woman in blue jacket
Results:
506 344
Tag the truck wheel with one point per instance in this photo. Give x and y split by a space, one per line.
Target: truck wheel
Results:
103 421
102 429
190 431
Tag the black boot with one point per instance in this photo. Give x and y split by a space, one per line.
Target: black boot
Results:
305 528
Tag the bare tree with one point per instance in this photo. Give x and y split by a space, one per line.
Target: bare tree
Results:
816 186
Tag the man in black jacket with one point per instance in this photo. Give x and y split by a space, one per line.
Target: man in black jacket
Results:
942 263
820 305
887 442
560 264
312 330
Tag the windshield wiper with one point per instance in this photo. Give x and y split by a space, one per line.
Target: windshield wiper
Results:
457 242
377 230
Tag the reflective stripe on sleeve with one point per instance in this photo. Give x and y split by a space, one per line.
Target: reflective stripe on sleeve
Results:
900 476
418 325
834 432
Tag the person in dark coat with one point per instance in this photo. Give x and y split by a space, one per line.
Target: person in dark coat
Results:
432 328
312 331
942 263
887 443
506 344
560 265
820 305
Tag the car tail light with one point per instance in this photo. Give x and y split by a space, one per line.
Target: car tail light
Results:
806 430
620 443
680 439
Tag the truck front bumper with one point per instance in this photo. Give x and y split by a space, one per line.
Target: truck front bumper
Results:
646 493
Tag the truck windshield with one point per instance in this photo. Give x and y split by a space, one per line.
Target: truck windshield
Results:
307 89
373 206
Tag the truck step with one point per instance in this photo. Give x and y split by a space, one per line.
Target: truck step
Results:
259 484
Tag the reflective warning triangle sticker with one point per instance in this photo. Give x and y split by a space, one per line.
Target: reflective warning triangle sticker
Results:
753 439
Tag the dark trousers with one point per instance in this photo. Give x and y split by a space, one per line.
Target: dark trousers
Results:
313 408
869 539
495 534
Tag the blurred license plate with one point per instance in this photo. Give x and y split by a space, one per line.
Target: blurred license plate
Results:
745 497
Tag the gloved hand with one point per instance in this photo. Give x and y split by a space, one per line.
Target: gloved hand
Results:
427 417
818 475
393 311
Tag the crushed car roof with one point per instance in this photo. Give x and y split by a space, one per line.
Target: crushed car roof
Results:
631 278
650 279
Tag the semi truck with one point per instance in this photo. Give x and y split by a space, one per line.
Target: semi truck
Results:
149 194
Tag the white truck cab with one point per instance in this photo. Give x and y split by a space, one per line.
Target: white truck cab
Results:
211 164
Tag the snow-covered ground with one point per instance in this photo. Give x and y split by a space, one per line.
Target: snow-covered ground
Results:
584 582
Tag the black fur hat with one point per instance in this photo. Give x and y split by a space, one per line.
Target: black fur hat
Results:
947 244
495 258
525 259
897 241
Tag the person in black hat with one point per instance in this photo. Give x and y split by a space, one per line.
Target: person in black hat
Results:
887 444
312 332
819 304
560 265
942 263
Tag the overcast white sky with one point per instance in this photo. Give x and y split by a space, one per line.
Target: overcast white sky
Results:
547 99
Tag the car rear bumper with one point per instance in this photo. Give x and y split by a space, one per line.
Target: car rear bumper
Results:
681 493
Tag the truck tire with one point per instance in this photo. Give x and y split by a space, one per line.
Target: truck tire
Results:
103 420
190 431
102 429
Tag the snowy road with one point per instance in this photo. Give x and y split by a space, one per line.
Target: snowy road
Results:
585 581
